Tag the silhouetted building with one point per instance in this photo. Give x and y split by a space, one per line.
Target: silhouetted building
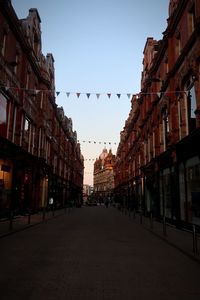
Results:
158 159
39 154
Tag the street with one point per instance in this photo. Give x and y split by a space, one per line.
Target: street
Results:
94 253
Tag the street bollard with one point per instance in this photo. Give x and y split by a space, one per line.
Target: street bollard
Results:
134 213
151 220
164 227
29 216
141 217
43 213
11 221
53 210
195 250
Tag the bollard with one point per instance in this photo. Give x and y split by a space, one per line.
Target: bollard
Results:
29 216
11 221
151 220
53 210
194 240
43 214
134 213
141 217
164 226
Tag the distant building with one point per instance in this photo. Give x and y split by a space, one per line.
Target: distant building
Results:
87 191
158 159
104 176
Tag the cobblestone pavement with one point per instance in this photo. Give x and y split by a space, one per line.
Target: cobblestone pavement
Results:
94 253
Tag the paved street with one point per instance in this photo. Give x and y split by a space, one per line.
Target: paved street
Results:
94 253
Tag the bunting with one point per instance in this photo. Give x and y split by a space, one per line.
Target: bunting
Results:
100 143
34 92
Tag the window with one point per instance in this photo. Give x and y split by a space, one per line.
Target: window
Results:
165 129
193 102
39 142
14 123
33 139
27 80
178 45
4 44
192 105
191 20
27 134
3 115
16 63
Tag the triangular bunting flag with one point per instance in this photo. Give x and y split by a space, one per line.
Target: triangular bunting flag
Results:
57 93
88 95
158 94
129 96
119 95
6 88
78 94
68 94
98 95
109 95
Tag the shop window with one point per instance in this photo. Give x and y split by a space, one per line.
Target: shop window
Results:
3 115
193 189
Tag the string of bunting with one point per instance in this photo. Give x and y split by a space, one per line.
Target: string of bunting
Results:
97 95
94 142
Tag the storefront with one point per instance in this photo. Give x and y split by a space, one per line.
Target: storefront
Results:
189 184
5 186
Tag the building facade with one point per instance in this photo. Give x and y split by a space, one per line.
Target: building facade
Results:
104 176
158 159
39 154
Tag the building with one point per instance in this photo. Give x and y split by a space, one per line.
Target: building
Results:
39 154
158 159
87 192
104 176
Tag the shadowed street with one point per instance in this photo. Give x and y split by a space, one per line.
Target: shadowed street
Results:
94 253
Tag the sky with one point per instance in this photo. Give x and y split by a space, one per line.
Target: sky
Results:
98 48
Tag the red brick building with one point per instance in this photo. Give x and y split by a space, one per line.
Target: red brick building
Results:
104 176
158 158
39 154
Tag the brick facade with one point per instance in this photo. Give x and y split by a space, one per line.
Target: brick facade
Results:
158 159
39 153
104 176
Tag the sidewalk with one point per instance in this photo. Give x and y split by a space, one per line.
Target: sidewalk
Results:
19 223
185 241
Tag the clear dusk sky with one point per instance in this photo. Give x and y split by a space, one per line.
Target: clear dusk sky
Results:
98 49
